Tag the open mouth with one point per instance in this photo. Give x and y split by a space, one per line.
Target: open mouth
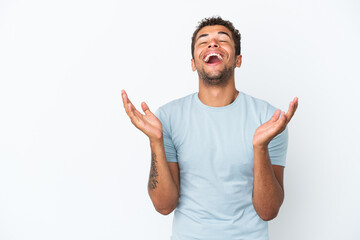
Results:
213 58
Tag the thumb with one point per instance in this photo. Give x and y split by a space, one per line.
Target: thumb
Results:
276 115
145 108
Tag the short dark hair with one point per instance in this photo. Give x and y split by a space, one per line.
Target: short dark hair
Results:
217 20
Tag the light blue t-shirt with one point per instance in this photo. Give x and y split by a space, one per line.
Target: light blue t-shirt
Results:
213 147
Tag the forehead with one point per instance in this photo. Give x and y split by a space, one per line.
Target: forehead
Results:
213 30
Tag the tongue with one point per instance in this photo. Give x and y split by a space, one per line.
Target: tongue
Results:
213 59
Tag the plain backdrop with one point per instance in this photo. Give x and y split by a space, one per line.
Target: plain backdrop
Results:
72 166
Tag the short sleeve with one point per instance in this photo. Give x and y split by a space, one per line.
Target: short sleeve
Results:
170 150
278 148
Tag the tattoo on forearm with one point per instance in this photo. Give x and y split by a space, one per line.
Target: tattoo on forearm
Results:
153 172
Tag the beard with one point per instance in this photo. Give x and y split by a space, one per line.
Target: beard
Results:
220 78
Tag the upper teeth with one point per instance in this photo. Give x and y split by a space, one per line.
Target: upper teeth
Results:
212 54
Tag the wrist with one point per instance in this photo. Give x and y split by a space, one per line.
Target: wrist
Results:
260 147
156 141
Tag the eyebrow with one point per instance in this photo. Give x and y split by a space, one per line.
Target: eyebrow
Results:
205 35
224 33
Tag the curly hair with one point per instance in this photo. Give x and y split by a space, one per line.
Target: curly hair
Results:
217 20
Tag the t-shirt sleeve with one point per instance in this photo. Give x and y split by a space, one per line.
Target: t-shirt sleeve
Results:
278 145
278 148
170 150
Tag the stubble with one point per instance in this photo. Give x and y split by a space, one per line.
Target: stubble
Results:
218 79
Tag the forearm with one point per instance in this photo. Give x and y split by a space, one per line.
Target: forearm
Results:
268 194
161 187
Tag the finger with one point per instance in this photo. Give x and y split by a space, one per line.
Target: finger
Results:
280 124
292 109
127 105
276 127
282 118
131 111
133 118
283 121
275 116
137 113
296 103
125 97
134 111
123 94
145 108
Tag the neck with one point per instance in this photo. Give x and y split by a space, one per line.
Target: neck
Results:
216 96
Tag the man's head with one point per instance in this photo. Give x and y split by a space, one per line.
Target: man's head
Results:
218 21
216 51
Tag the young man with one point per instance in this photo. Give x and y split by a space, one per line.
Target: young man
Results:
217 156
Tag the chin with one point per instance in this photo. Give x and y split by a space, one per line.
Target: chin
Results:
214 75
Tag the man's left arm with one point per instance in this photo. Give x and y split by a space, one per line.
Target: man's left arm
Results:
268 192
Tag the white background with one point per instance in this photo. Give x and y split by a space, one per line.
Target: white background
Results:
72 166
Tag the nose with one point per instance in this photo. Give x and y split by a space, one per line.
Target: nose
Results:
213 43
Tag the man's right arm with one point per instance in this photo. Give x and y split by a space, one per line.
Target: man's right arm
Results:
163 186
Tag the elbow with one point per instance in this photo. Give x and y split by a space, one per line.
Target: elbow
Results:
165 207
267 212
269 215
165 211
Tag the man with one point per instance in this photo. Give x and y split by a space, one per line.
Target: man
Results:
217 156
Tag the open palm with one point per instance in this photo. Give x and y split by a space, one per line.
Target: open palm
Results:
148 123
267 131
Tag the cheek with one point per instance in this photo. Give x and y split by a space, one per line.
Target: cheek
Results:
197 54
231 53
197 57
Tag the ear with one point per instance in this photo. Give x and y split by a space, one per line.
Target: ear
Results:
238 60
193 65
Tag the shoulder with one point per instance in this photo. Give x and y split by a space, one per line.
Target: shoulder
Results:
175 105
256 102
175 109
261 108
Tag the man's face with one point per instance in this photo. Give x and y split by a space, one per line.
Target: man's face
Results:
214 55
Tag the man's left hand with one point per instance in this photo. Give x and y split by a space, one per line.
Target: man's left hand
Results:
267 131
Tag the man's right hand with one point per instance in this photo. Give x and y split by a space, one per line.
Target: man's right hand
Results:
148 123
